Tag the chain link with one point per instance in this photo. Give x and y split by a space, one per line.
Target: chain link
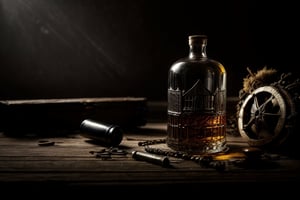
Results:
206 161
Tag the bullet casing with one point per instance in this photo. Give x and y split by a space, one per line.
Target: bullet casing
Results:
152 158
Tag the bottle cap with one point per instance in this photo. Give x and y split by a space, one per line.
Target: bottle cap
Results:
106 134
197 39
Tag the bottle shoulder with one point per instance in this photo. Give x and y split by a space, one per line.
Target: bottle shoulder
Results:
186 63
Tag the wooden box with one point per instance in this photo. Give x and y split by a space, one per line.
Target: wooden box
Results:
51 116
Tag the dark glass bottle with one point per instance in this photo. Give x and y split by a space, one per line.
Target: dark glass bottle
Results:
197 102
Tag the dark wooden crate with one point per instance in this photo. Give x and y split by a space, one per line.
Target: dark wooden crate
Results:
65 115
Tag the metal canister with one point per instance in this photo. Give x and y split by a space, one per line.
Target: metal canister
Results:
103 133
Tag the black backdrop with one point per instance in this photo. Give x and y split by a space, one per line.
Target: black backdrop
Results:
107 48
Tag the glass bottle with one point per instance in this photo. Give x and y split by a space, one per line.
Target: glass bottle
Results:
197 102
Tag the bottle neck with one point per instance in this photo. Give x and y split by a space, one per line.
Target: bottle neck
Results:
197 51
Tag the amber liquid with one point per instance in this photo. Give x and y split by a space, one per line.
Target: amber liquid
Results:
197 133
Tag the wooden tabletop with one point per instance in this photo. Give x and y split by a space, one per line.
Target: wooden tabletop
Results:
76 163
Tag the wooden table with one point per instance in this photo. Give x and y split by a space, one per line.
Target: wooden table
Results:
71 164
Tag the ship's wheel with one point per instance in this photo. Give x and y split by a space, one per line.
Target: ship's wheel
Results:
266 114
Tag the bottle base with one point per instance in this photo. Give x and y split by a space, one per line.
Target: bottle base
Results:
203 148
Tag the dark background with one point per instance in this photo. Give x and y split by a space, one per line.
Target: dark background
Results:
110 48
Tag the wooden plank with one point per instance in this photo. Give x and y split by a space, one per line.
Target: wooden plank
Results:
73 100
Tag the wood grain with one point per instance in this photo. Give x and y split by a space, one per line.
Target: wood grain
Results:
69 164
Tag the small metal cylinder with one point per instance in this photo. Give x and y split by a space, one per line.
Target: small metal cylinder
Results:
152 158
103 133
